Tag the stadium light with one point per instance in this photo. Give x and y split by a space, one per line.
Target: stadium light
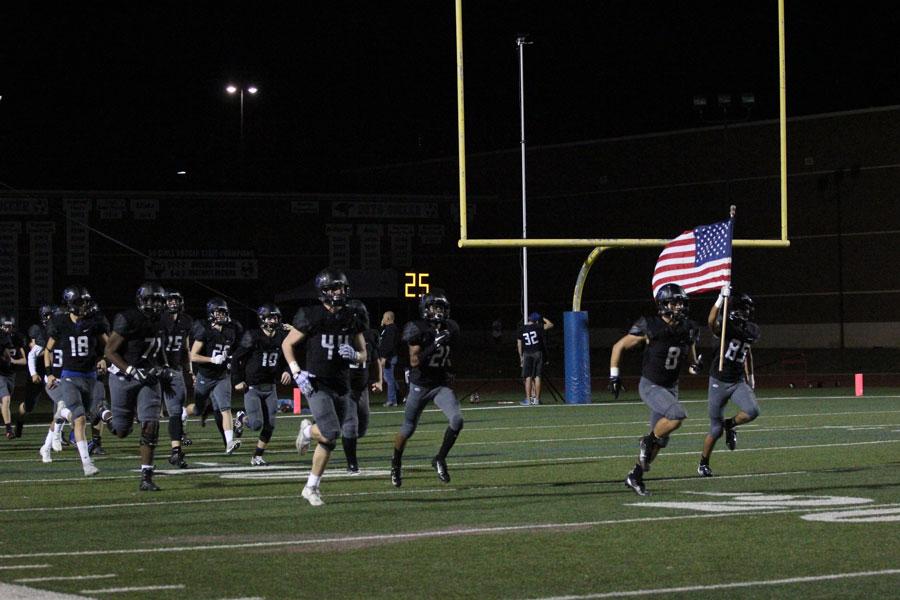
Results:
233 89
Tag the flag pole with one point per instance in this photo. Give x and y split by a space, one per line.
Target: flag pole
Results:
732 210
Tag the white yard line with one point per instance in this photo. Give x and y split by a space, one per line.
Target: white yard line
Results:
22 567
726 586
445 533
141 588
21 592
64 578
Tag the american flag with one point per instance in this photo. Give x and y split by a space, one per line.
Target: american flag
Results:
697 260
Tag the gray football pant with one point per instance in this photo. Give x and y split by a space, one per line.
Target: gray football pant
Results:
261 406
219 390
720 392
356 424
130 397
174 393
331 410
663 402
442 396
77 393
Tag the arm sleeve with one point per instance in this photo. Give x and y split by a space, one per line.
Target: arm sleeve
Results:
33 355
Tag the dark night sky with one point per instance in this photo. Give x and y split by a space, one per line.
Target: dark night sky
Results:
120 95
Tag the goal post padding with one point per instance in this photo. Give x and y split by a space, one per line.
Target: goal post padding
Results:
577 356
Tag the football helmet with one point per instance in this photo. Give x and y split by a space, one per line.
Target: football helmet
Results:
333 287
150 298
217 311
434 306
741 307
92 309
174 302
360 311
7 323
672 301
46 312
77 300
269 317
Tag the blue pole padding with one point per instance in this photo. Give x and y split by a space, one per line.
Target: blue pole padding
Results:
578 357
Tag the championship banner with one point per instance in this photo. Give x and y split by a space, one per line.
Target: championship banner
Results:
77 236
369 246
40 259
9 266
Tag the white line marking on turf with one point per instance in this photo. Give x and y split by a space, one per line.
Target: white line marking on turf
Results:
142 588
17 567
64 578
21 592
726 586
441 533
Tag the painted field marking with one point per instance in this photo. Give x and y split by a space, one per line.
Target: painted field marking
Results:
64 578
873 515
19 567
726 586
440 533
21 592
141 588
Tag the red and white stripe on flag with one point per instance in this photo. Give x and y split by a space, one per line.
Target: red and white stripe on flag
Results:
697 260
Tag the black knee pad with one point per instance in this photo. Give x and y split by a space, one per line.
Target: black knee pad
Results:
662 442
330 446
149 433
176 428
266 433
456 424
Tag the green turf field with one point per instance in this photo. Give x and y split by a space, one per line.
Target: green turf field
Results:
807 507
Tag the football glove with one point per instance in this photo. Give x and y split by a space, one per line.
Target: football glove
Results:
348 353
441 338
144 376
217 359
615 386
302 379
695 368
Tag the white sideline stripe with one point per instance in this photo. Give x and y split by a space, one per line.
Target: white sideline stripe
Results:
574 459
17 567
21 592
415 535
142 588
64 578
726 586
219 500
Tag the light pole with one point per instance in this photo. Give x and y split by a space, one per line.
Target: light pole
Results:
235 89
521 42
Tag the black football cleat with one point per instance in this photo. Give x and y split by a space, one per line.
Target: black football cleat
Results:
731 438
636 484
704 470
20 425
353 469
147 484
440 466
176 459
396 474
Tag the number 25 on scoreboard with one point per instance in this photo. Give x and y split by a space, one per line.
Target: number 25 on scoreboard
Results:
416 285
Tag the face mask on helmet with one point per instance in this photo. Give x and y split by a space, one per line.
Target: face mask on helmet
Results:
742 309
269 317
7 324
333 287
174 302
46 312
77 300
217 312
435 307
671 302
151 299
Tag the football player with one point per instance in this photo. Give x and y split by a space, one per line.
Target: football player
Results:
334 340
213 342
670 339
82 341
257 366
431 340
99 405
135 348
12 354
356 424
177 325
40 373
735 381
531 356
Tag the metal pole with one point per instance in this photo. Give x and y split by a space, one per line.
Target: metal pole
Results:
242 115
520 42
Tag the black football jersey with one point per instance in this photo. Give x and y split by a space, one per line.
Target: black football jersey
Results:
79 343
532 336
668 347
258 358
359 374
433 370
38 333
739 337
215 343
178 332
143 338
325 332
